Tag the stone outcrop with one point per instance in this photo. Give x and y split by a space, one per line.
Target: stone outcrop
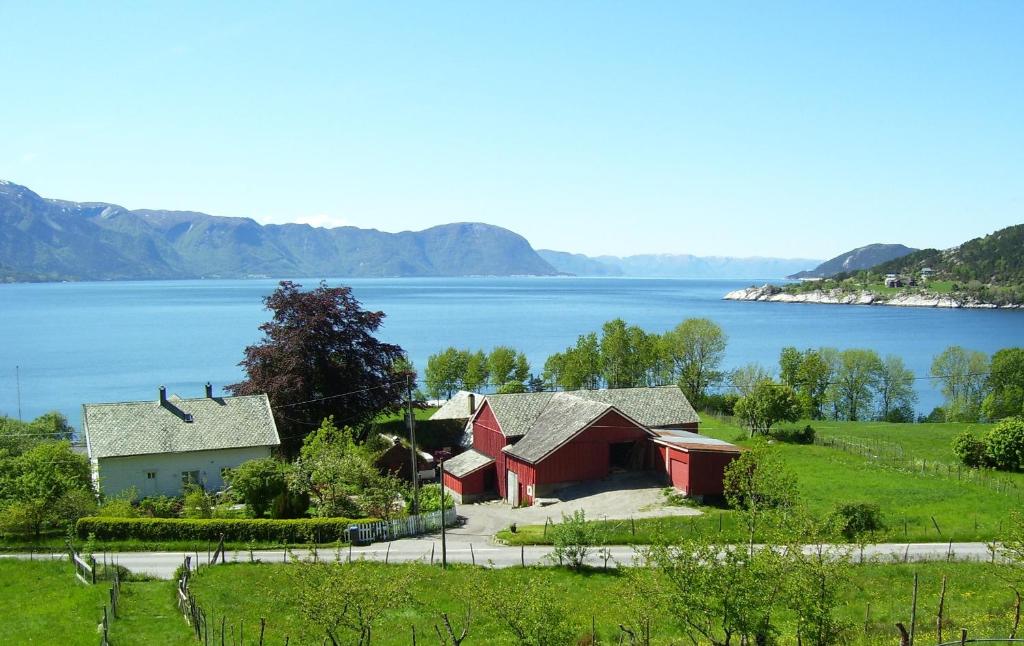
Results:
774 294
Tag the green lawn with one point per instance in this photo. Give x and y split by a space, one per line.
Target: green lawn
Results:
244 593
963 510
45 604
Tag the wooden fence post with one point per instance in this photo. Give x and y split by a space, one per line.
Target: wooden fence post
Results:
913 612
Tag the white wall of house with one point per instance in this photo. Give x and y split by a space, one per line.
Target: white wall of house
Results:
161 473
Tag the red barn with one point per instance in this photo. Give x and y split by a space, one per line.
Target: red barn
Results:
527 445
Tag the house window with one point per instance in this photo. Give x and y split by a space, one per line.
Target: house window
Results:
151 475
189 477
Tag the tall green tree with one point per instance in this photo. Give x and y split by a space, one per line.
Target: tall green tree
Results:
963 375
319 357
578 367
507 365
810 374
761 489
767 404
1005 385
855 382
446 372
696 348
624 351
745 378
477 371
35 486
895 388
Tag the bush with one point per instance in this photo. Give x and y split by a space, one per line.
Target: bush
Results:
856 518
209 529
161 507
937 416
970 450
803 435
117 508
1004 444
572 539
430 498
198 503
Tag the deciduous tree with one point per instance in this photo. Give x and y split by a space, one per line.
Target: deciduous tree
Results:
696 348
1005 385
767 404
895 388
319 357
962 374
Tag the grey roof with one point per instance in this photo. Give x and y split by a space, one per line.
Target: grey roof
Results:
457 407
695 442
652 407
140 428
563 418
466 463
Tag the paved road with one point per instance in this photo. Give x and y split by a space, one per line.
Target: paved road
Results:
163 564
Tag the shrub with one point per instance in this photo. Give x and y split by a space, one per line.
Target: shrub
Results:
970 450
117 508
161 507
856 518
430 498
198 503
203 529
259 482
803 435
1004 444
572 539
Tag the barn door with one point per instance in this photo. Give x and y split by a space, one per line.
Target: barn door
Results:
512 489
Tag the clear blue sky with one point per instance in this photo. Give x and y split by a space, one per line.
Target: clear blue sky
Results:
730 128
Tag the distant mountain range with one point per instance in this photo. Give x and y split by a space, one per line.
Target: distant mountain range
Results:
674 265
46 239
864 257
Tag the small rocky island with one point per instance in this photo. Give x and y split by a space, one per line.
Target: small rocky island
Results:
839 296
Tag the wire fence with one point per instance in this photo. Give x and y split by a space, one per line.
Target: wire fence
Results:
893 456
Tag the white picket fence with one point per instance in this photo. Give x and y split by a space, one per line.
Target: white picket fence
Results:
389 530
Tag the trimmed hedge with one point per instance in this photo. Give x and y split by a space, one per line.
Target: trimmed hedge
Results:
292 530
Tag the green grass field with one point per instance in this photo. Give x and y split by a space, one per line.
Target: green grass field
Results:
45 604
912 503
976 599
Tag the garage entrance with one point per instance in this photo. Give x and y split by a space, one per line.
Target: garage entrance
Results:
626 456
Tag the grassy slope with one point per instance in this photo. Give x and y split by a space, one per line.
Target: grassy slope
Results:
975 599
964 511
44 604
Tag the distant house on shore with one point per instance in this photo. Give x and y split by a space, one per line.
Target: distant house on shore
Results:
892 280
526 446
159 446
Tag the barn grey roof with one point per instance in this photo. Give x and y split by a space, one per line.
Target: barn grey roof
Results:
466 463
458 407
564 416
140 428
658 407
695 442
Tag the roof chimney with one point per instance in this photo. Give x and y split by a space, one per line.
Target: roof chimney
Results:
472 403
209 391
163 395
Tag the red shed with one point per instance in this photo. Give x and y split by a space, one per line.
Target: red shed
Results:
695 464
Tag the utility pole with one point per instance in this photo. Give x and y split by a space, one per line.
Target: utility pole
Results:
441 455
412 448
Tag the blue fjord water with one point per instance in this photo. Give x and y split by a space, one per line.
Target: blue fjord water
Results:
117 341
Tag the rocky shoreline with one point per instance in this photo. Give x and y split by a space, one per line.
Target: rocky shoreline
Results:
774 294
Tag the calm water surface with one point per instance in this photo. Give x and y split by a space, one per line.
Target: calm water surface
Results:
117 341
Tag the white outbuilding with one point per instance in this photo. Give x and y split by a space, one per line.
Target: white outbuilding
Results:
159 446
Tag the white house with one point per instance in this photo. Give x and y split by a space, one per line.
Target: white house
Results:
158 446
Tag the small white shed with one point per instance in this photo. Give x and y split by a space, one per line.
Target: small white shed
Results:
159 446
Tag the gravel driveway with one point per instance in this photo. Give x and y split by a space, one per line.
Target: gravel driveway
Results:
624 495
